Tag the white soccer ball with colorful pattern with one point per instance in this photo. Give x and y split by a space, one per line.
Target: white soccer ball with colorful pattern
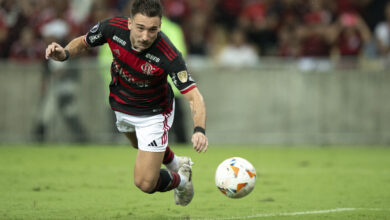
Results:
235 177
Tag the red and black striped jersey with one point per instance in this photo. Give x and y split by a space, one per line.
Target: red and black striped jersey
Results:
139 83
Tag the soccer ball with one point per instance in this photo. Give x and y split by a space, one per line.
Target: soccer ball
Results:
235 177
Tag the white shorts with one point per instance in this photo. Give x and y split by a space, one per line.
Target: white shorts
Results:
151 131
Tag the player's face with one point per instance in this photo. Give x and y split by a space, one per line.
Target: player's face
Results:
144 30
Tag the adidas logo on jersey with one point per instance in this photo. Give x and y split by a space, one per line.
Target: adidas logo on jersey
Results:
153 144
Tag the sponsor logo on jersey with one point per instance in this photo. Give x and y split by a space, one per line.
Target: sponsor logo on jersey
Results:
147 68
183 76
152 57
119 40
93 38
94 28
129 78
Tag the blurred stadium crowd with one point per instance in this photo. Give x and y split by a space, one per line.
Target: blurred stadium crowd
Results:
214 28
306 35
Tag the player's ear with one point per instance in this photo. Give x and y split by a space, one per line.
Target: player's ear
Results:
129 23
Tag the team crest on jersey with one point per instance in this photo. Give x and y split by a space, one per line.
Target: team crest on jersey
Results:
183 76
147 68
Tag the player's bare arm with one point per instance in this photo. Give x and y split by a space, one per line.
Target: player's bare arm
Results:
56 52
198 111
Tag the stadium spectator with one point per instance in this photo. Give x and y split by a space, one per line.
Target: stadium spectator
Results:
176 10
13 19
315 37
99 11
238 52
382 36
227 12
260 23
28 48
348 6
196 33
263 20
351 36
198 27
371 11
80 10
141 96
3 32
288 42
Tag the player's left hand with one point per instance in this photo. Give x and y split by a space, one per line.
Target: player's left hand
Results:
200 142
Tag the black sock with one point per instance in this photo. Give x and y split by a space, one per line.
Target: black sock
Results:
168 156
167 181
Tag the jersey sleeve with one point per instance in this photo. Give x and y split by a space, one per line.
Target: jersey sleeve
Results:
180 76
96 36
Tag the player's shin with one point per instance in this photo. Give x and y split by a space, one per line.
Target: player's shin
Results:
167 181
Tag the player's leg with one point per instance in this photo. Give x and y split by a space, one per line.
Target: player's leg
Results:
147 170
148 175
149 178
132 138
154 138
170 160
152 141
152 147
124 125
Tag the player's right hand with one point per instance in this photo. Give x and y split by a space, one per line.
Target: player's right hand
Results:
200 142
55 51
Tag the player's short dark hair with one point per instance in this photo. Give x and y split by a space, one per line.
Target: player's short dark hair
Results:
149 8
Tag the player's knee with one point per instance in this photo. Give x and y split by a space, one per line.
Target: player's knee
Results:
145 186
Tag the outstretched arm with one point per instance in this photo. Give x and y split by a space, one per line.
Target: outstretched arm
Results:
74 48
198 111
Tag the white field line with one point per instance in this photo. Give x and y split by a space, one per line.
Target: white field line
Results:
294 213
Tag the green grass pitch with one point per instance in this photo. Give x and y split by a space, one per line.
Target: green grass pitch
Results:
96 182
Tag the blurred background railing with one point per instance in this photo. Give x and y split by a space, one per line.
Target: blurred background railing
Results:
272 103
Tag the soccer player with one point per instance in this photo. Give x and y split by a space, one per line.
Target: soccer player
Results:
141 97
